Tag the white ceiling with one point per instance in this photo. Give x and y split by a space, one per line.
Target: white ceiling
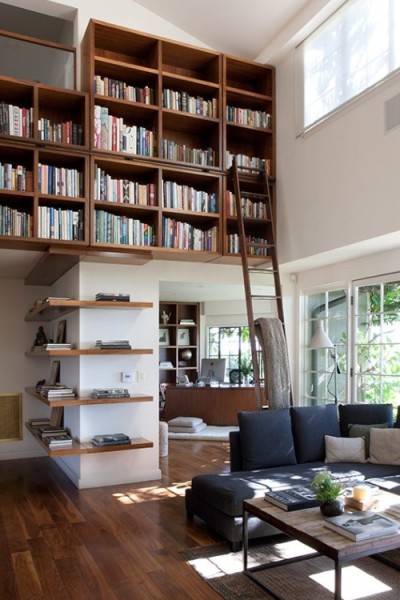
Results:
253 29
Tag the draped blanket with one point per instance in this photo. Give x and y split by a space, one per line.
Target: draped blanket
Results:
272 340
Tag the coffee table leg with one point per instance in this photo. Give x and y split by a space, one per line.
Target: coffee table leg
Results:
338 580
245 537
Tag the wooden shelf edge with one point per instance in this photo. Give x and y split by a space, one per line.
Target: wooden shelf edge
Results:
46 310
136 444
85 401
76 447
87 352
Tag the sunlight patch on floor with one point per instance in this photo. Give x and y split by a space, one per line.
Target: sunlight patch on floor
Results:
356 583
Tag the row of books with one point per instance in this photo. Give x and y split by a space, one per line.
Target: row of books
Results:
120 229
185 197
260 248
195 105
250 208
113 344
246 116
15 178
112 133
184 236
16 120
14 222
60 223
249 162
54 346
114 88
183 153
60 181
105 393
62 133
110 189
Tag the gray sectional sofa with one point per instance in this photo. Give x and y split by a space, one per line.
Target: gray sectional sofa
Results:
280 448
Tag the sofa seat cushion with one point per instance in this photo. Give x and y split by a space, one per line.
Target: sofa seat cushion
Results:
266 439
310 425
226 491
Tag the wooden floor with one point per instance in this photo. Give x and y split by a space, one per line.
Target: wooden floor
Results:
121 542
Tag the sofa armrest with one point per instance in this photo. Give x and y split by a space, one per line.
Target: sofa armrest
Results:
235 449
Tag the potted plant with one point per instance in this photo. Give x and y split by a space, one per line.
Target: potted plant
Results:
245 368
327 491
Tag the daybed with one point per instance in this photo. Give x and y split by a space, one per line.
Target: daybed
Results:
280 448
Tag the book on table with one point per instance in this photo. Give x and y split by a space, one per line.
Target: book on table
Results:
362 526
295 498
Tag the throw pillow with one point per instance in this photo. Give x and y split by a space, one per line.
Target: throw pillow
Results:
384 446
266 439
185 421
358 430
195 429
310 424
339 449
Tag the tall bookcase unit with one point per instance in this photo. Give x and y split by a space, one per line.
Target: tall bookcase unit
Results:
52 309
44 166
179 341
249 125
165 120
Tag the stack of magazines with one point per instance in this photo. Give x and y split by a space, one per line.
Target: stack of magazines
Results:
111 439
54 437
113 344
55 392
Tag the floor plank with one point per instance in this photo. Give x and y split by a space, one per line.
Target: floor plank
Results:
113 543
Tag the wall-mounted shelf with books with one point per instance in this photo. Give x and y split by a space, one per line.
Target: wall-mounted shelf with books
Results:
87 447
53 308
86 401
88 352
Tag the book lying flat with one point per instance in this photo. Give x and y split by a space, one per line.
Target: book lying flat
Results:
362 526
295 498
111 439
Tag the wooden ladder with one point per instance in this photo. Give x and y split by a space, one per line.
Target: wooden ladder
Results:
253 184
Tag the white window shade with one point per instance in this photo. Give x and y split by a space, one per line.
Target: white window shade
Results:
352 51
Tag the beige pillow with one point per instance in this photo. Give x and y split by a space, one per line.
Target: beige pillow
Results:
341 449
384 446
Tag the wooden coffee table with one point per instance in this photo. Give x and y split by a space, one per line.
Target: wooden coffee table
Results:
307 527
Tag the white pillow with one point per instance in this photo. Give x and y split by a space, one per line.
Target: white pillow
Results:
341 449
384 446
185 421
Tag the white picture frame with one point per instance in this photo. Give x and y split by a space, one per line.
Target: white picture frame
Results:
183 337
163 336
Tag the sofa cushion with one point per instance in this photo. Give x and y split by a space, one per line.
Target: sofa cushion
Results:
185 422
266 439
364 414
340 449
358 430
310 425
385 446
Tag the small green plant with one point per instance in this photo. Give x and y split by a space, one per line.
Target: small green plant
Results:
325 487
246 365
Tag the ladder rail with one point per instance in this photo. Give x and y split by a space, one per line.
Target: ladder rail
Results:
246 269
247 286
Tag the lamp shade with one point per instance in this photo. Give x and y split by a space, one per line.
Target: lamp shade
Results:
320 339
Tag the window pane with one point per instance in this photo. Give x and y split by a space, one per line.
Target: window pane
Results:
355 48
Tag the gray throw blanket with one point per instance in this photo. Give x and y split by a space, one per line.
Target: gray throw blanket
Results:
272 340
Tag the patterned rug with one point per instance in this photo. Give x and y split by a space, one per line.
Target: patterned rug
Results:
311 579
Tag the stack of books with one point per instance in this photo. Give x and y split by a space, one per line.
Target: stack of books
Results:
110 393
54 436
113 344
186 322
394 510
55 392
111 439
358 526
295 498
112 297
37 422
53 346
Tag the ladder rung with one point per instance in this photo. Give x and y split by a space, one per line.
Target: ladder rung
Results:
265 296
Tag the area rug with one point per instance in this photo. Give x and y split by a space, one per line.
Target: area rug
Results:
311 579
211 433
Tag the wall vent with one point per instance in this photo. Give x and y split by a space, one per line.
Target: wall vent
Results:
392 113
10 417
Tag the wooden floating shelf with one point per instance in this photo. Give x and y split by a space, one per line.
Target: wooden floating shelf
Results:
86 401
87 447
47 310
88 352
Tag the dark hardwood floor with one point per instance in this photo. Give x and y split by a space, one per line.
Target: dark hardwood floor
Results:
121 542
